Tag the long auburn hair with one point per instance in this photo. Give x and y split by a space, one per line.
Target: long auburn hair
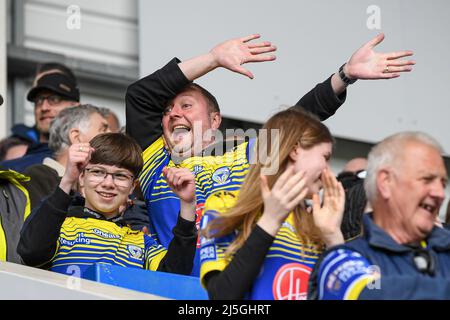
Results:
296 128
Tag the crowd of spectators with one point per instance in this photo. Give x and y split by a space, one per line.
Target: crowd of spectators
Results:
258 218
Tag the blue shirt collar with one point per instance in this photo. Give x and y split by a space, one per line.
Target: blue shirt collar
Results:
439 238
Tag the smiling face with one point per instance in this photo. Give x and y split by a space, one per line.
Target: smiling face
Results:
313 161
415 189
186 117
106 195
45 111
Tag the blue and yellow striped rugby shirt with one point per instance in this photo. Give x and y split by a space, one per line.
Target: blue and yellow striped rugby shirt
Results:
85 241
285 272
212 173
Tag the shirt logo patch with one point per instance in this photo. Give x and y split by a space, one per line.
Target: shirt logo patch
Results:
208 252
291 282
135 251
197 169
80 239
106 235
221 176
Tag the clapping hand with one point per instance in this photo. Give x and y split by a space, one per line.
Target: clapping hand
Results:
328 215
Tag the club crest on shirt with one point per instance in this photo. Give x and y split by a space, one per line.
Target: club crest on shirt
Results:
197 169
135 251
221 176
291 282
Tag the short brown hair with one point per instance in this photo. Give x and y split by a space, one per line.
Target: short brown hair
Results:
211 101
117 149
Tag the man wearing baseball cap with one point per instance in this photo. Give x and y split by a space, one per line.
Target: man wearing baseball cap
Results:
54 91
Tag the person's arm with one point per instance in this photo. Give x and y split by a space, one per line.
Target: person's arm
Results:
322 100
40 232
182 182
147 98
39 235
181 250
343 274
231 55
364 64
238 276
236 280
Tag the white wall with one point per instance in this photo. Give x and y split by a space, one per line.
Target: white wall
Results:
107 33
314 38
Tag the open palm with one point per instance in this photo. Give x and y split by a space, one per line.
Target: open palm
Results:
365 63
328 216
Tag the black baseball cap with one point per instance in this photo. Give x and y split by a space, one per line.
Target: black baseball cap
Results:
58 83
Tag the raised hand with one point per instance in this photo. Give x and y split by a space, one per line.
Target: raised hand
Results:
285 195
232 54
79 156
182 183
365 63
328 216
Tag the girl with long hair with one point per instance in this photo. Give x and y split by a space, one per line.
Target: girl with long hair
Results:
263 241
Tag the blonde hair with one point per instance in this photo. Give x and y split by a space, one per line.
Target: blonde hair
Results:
296 128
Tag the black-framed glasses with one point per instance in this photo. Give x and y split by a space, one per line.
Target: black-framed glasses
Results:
52 100
120 179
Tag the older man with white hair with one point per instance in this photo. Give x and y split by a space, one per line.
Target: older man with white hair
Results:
72 125
402 254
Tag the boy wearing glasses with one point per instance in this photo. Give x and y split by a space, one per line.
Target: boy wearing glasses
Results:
55 237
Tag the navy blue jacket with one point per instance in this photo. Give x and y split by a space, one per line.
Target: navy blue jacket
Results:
30 134
35 155
375 266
